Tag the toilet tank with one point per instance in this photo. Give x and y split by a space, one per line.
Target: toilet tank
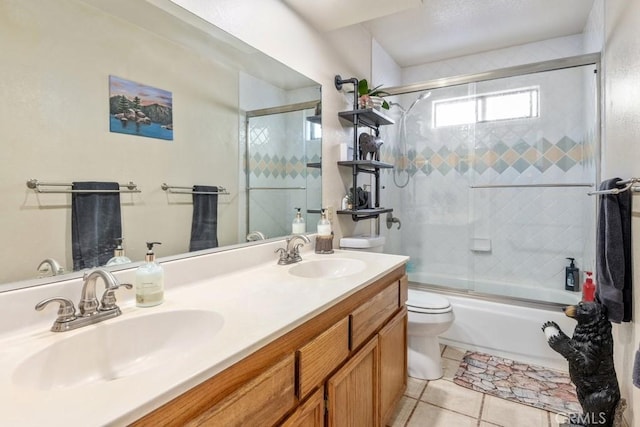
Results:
364 242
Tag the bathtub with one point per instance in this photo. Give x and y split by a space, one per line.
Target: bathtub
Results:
509 329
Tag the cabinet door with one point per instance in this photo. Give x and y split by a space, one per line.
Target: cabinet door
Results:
352 392
392 341
310 413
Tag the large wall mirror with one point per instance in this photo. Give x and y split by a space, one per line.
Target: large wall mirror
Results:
240 120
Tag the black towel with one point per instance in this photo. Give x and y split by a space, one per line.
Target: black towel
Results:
613 253
95 223
204 224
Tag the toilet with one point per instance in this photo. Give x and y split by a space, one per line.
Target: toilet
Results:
430 315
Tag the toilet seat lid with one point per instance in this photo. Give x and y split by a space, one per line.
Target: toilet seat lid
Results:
427 302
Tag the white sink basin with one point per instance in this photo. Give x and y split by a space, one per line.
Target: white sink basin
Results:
330 268
107 351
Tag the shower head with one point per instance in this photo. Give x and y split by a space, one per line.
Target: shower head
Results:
423 95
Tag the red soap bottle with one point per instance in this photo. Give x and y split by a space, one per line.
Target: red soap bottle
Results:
588 288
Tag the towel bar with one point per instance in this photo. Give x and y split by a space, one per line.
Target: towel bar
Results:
579 184
628 185
36 185
276 188
189 190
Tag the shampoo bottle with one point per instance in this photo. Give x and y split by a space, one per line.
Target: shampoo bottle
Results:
571 277
118 254
150 280
298 226
588 288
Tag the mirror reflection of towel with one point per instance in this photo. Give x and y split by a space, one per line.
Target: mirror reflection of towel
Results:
204 223
95 223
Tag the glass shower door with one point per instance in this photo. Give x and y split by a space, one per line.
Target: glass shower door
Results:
278 171
534 163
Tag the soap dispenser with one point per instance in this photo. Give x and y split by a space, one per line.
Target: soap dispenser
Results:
571 277
150 280
298 226
324 239
118 254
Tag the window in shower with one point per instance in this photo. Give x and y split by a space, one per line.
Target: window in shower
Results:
503 105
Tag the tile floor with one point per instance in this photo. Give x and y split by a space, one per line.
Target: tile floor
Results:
442 403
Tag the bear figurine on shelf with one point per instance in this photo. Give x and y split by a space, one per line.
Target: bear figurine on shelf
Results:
590 355
368 144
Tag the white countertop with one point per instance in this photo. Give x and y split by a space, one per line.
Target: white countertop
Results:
258 304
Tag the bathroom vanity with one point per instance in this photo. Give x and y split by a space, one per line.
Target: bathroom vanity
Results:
235 343
354 353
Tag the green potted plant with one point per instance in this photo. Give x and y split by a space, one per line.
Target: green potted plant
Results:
371 97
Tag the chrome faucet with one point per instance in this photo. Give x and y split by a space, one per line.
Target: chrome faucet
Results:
90 311
54 267
291 254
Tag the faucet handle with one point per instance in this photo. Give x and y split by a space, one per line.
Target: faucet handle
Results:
108 300
66 311
284 256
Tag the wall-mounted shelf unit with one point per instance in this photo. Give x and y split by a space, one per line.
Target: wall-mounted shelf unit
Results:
366 165
371 118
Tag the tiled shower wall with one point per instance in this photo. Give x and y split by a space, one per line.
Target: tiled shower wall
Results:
279 151
279 147
517 236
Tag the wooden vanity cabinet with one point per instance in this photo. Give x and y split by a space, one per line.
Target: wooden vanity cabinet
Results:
344 367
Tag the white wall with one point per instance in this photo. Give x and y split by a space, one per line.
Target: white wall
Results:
57 58
621 157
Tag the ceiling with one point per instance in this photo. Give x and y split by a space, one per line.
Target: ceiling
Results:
421 31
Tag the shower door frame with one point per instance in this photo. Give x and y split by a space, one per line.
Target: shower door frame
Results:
518 70
283 109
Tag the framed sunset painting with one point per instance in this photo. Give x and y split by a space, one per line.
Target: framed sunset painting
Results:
138 109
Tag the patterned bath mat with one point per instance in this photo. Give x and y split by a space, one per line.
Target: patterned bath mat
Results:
531 385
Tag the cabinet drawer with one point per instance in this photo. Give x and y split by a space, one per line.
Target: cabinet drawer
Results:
260 402
318 358
366 319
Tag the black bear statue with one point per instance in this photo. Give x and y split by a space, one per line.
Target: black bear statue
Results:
590 355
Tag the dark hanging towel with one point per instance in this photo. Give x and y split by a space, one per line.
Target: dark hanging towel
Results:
204 224
95 223
613 253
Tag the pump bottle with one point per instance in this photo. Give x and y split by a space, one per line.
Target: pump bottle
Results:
118 254
298 225
150 280
324 239
571 277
